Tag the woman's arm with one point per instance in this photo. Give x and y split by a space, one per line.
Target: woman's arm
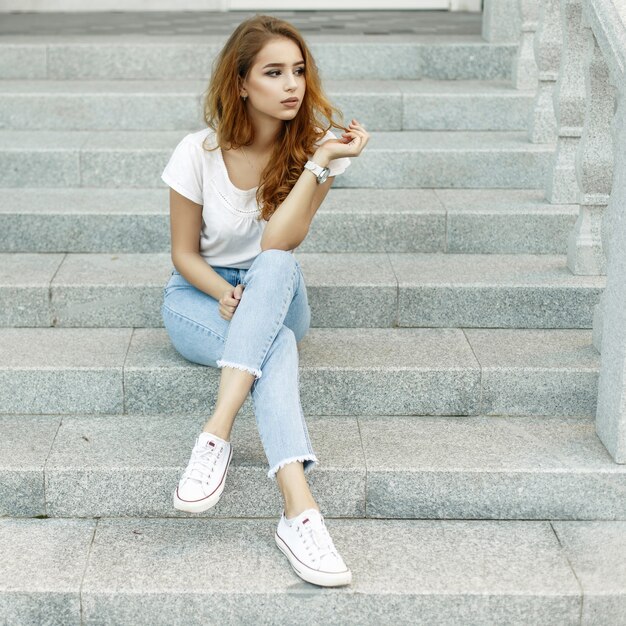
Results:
289 224
185 227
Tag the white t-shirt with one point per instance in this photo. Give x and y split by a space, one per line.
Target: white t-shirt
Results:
230 235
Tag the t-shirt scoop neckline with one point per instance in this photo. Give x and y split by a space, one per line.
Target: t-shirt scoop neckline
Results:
245 192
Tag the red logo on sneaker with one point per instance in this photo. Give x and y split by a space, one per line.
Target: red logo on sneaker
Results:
211 443
305 521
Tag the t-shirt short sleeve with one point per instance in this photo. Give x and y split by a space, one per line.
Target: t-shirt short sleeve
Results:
336 166
183 172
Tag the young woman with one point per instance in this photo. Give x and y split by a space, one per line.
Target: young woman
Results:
243 194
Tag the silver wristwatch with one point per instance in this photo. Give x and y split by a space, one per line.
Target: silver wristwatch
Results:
321 172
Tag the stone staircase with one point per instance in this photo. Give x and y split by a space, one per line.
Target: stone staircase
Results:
448 379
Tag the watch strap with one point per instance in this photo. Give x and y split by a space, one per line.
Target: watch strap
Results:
314 167
318 170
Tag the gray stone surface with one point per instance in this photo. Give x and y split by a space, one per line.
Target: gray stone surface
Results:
108 105
84 220
416 466
144 25
130 466
40 159
490 468
157 379
129 61
105 290
491 290
391 160
25 443
594 165
62 370
525 72
464 105
42 570
548 43
347 290
141 104
377 220
137 220
349 220
597 552
350 290
404 371
24 283
26 61
444 571
609 320
343 371
457 61
505 221
488 560
569 105
501 20
448 159
189 57
126 158
536 372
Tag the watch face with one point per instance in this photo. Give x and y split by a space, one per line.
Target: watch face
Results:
324 175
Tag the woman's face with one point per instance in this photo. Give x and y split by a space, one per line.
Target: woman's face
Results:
276 75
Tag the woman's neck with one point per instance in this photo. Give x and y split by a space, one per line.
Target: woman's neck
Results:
266 131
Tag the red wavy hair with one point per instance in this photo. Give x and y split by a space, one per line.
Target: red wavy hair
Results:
225 111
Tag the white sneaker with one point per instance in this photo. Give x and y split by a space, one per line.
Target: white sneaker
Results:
308 546
203 481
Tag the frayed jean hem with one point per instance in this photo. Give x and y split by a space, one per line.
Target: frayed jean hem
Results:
308 466
251 370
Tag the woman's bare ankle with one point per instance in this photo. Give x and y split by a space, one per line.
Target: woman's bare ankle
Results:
217 429
293 511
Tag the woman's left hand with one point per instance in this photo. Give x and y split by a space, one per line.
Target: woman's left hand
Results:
350 145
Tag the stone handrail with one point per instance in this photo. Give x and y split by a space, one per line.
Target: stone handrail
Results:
580 105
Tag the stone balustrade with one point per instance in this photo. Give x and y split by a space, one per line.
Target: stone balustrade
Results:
579 73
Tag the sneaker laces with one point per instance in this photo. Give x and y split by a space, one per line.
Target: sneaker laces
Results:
319 535
203 461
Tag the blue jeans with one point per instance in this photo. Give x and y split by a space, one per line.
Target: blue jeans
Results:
261 338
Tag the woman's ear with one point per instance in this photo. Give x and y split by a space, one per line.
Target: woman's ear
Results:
242 88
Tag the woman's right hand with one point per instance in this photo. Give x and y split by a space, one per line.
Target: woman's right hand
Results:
229 301
351 143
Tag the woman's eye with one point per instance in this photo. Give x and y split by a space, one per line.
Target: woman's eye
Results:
276 72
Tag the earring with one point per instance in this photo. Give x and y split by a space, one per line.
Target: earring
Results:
244 98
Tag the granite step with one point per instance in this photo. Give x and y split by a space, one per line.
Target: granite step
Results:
348 290
190 57
343 371
193 571
349 220
413 159
441 467
177 105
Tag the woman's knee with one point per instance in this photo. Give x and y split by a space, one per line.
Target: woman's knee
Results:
275 259
276 253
